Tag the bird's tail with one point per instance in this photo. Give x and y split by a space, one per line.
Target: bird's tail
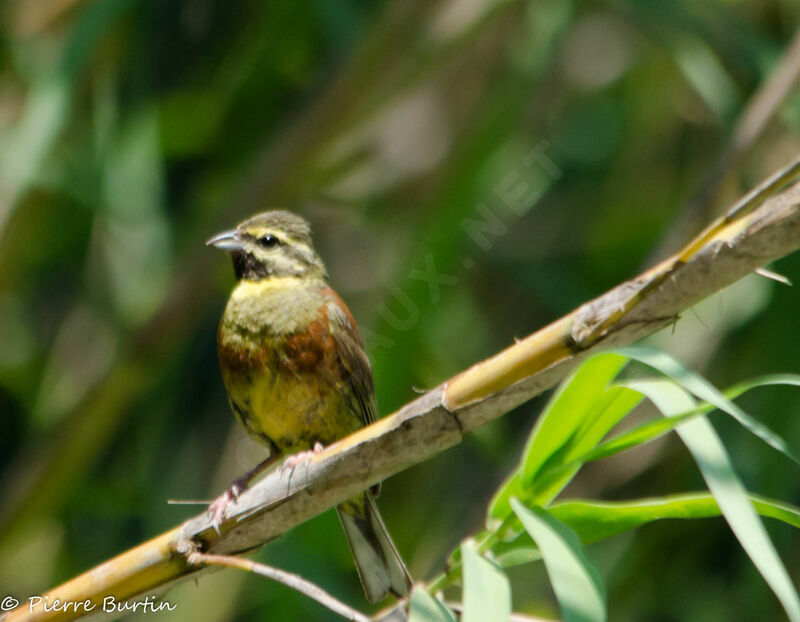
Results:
379 565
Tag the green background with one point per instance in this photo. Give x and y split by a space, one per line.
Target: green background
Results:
131 131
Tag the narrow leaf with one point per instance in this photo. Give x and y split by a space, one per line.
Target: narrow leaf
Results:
576 582
639 435
651 430
568 409
487 594
577 417
610 408
708 451
593 521
422 607
703 389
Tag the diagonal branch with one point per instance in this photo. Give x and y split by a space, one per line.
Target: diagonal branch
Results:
752 234
761 108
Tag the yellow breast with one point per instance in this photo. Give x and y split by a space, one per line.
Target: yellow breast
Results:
280 365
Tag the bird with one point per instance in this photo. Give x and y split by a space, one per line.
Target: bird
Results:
296 373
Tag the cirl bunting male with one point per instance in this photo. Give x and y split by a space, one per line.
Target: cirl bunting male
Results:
296 374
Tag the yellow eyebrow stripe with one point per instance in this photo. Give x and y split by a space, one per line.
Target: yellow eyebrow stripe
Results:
281 235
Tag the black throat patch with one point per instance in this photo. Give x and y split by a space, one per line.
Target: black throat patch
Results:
245 266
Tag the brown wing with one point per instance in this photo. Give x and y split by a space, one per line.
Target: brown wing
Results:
358 373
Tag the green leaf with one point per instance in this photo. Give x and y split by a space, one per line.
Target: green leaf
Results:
597 520
575 580
569 410
487 594
593 521
610 407
762 381
511 546
508 555
637 436
703 389
648 431
708 451
577 417
422 607
651 430
499 507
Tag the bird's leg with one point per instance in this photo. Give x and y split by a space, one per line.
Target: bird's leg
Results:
219 505
293 461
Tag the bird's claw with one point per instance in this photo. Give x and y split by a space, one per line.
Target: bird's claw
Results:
295 460
217 507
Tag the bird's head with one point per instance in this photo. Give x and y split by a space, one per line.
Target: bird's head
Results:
271 244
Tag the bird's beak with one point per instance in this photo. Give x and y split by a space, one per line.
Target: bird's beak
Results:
226 241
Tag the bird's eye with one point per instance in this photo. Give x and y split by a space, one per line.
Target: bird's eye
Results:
268 241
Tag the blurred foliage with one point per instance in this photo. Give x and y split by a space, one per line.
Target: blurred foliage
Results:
575 132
